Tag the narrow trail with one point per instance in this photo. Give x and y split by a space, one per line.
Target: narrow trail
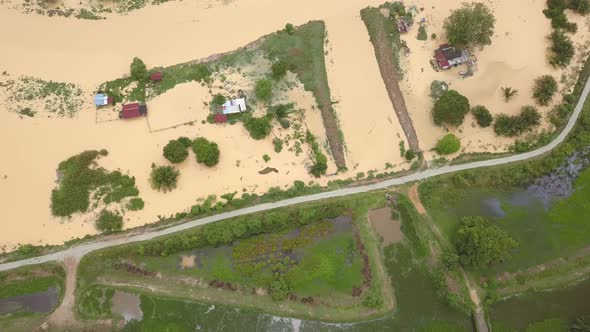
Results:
64 314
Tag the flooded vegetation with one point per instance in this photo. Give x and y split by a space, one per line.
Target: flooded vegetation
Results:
127 305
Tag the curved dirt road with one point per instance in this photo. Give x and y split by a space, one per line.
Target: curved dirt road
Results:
79 251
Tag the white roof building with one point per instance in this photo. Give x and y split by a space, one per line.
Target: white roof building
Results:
233 106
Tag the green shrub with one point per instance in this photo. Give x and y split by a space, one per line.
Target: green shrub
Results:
218 100
138 69
281 110
175 152
279 289
409 155
279 69
544 89
109 221
163 178
135 204
263 90
433 36
278 144
510 126
289 28
471 25
422 35
266 158
450 108
562 48
448 144
258 128
206 152
285 123
482 115
320 161
373 299
450 260
187 142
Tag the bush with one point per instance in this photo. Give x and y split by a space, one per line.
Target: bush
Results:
135 204
422 35
263 90
281 110
510 126
289 28
163 178
266 158
285 123
258 128
471 25
187 142
372 299
108 221
218 100
279 289
138 69
450 108
409 155
278 144
544 89
433 36
482 115
450 260
448 144
438 88
562 48
320 161
279 69
175 152
481 243
206 152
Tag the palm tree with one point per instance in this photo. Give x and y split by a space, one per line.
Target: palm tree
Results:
581 324
509 93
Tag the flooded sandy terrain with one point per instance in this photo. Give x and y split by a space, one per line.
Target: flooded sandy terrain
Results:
191 30
385 227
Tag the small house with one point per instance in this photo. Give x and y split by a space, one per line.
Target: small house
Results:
233 106
156 77
101 99
133 110
220 118
448 56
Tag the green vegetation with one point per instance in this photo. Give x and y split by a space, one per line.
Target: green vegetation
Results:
279 69
95 303
258 128
556 13
266 158
135 204
409 155
380 26
448 144
482 115
515 125
472 25
450 108
481 243
175 151
187 142
544 89
263 90
422 34
80 178
206 152
109 221
437 89
320 161
218 100
31 279
562 48
164 178
509 93
289 29
138 69
278 144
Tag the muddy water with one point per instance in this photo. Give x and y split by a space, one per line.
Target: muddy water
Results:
385 226
127 305
566 304
43 302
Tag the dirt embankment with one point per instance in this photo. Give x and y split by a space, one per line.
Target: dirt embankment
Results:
384 53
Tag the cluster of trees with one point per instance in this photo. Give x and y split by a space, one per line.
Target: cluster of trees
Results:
450 108
258 128
480 243
448 144
138 69
482 116
556 13
164 178
176 150
562 48
206 152
472 25
281 112
108 221
544 89
224 232
511 126
320 161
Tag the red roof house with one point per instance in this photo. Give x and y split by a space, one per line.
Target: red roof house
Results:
133 110
448 56
156 77
220 118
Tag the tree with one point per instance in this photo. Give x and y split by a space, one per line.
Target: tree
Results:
450 108
510 126
279 69
206 152
258 128
448 144
509 93
163 178
289 28
218 100
482 115
544 89
187 142
409 155
138 69
263 89
279 289
175 152
562 48
480 243
108 221
471 25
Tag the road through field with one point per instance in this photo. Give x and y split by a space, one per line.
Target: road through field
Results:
79 251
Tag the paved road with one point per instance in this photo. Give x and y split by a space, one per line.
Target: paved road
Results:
80 250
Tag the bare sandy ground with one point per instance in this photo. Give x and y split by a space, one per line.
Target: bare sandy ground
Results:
90 52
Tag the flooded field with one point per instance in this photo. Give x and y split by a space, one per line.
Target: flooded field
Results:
563 304
42 302
385 226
